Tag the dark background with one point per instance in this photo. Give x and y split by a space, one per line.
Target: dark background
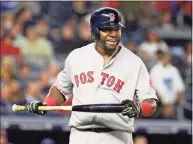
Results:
60 137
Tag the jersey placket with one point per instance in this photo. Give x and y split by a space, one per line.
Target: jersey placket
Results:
109 63
104 67
112 58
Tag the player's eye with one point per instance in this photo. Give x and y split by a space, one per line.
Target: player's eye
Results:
108 29
104 29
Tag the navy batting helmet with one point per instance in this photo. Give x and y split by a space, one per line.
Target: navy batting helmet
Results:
104 17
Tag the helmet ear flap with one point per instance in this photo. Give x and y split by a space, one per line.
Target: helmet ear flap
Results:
95 33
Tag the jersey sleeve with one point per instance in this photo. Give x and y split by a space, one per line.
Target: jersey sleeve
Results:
144 89
63 81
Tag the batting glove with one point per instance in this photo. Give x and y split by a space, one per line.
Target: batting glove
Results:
131 108
32 107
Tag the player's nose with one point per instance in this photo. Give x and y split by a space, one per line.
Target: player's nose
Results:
113 33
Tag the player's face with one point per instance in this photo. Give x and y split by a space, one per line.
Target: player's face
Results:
166 59
110 37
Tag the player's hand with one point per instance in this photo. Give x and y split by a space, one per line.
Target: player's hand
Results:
131 108
32 107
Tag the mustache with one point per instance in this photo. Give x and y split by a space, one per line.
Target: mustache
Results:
102 44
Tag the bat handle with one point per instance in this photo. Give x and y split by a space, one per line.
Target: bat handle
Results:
18 108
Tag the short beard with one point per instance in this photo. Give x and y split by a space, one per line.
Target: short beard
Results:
105 47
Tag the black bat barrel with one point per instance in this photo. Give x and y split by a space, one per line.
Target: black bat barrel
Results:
99 108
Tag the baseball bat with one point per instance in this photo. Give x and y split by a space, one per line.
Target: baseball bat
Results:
97 108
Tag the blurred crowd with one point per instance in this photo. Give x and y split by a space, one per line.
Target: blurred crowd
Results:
36 37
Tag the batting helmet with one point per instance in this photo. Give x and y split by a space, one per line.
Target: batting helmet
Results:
104 17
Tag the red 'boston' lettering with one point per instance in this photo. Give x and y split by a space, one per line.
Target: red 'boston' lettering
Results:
105 75
90 76
110 81
83 78
76 80
118 86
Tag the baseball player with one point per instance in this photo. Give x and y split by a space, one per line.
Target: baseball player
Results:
100 73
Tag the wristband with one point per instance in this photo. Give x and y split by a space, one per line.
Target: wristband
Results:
146 109
49 101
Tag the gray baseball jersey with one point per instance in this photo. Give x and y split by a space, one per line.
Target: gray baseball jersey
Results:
90 81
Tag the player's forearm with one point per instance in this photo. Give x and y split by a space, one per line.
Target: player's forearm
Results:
148 107
181 97
54 97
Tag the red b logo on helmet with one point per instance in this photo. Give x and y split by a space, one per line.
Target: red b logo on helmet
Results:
112 16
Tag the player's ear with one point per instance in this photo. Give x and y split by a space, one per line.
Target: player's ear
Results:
93 36
95 33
